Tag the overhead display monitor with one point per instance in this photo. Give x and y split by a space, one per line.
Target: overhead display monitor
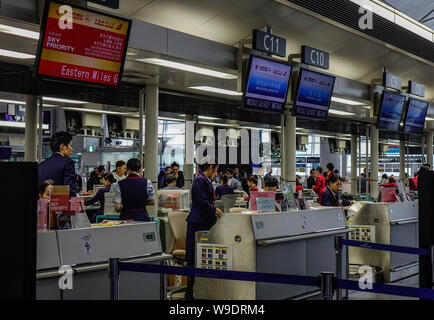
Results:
415 117
391 110
267 85
81 45
314 94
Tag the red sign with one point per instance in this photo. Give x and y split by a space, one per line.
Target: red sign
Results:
82 45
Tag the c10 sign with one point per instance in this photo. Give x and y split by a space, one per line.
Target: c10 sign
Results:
315 57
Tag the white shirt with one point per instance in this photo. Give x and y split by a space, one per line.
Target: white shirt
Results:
118 178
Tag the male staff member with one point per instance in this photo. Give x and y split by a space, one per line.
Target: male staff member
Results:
59 167
96 179
134 194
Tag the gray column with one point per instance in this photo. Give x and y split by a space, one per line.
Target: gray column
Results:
40 123
141 127
429 148
151 136
353 164
289 150
188 151
374 161
401 160
283 159
31 131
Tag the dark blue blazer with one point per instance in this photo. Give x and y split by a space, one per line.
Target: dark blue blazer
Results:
60 169
330 200
98 197
134 197
223 189
203 209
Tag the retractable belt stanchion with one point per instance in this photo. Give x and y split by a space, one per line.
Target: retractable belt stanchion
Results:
338 248
327 285
114 278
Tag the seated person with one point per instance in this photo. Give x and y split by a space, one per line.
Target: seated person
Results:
171 182
331 198
413 183
270 184
99 197
234 183
251 182
223 188
392 183
44 189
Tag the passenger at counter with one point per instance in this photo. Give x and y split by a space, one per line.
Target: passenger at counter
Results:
44 189
223 188
179 175
99 197
271 184
203 214
171 182
237 174
234 183
119 173
311 180
134 194
329 172
331 198
392 183
320 183
59 167
96 179
162 177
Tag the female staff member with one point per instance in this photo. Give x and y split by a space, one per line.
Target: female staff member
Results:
298 186
44 189
203 214
223 188
99 197
320 184
331 198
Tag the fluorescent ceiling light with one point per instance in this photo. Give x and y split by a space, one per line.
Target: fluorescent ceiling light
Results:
12 124
19 32
16 55
216 124
429 119
95 111
186 67
258 129
217 90
347 101
64 100
208 118
341 113
13 101
170 119
131 53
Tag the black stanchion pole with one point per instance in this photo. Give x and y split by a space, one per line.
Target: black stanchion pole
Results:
338 248
327 285
114 278
432 263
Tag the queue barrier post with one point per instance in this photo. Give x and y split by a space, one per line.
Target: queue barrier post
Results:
338 249
114 278
327 285
432 264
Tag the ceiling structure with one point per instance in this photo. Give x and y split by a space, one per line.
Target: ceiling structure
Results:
419 10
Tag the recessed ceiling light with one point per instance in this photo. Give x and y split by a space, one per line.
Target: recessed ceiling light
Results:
341 113
19 32
15 55
186 67
217 90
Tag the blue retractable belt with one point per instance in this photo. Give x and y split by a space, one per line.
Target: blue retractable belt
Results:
385 247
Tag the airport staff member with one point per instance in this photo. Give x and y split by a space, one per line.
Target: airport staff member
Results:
320 183
223 188
99 197
203 214
59 167
134 194
331 198
119 173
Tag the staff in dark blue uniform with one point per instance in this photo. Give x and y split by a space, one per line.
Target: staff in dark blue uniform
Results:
134 193
331 198
203 214
59 167
223 188
100 196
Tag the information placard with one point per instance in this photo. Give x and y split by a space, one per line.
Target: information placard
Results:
79 44
213 256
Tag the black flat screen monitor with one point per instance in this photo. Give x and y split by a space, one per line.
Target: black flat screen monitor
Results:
415 117
5 153
391 110
267 85
314 95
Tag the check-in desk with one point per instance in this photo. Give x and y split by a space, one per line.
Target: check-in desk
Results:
294 243
395 224
87 251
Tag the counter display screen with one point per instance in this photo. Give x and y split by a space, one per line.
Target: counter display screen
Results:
267 85
83 45
416 114
391 109
314 95
5 153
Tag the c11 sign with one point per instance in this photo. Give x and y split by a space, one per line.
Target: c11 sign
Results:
269 43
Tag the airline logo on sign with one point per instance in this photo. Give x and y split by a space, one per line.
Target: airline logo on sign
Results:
82 45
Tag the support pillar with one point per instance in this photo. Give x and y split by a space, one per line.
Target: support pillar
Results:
283 158
429 149
40 123
401 160
188 151
353 164
374 161
151 136
31 131
289 150
141 126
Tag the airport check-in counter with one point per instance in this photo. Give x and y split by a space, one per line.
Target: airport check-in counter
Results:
294 243
88 250
395 224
